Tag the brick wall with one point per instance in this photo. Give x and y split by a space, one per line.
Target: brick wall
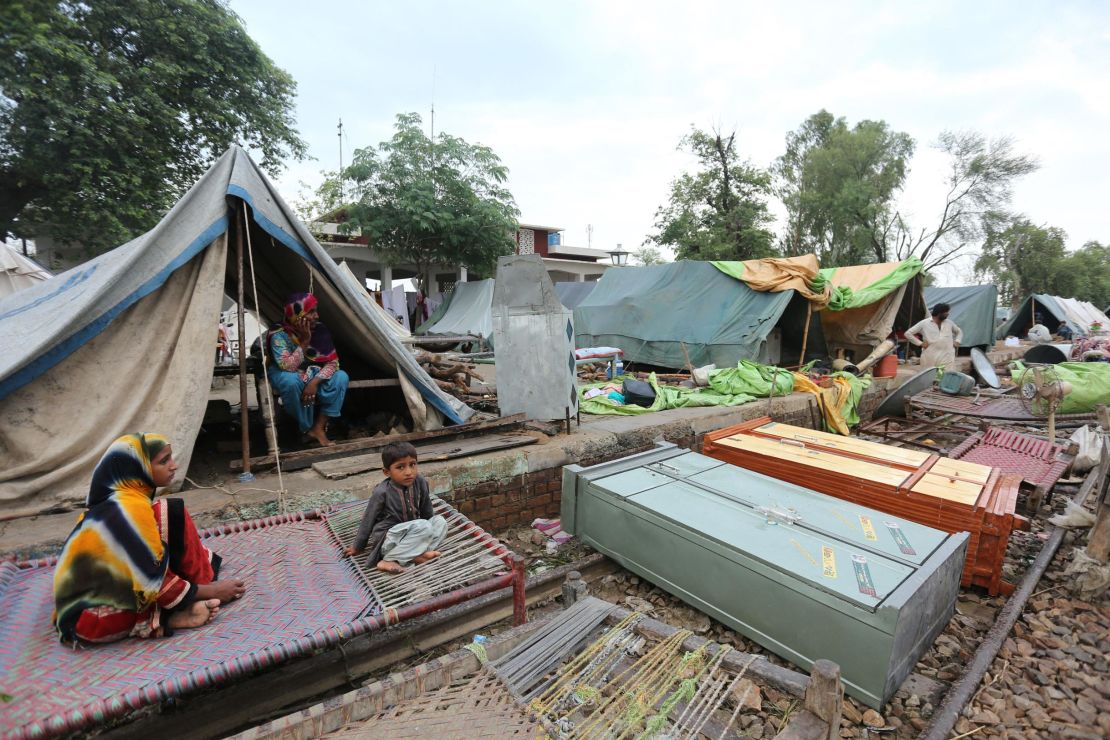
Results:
518 499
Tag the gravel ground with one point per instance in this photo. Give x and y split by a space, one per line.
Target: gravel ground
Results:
1049 680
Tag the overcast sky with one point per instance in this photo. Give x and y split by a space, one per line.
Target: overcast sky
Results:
585 102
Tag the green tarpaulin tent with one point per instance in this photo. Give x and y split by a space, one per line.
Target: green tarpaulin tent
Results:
973 309
650 312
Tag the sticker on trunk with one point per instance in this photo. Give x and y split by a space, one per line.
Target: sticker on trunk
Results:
864 581
900 538
828 562
868 528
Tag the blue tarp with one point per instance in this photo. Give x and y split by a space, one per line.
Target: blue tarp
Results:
126 341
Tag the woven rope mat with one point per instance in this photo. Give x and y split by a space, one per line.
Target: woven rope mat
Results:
1008 409
469 554
1035 460
297 586
481 707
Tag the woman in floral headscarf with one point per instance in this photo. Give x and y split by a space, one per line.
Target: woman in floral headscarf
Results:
306 370
134 566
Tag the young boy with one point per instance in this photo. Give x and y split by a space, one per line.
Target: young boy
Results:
399 527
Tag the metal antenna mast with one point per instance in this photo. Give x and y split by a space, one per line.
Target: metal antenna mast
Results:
340 128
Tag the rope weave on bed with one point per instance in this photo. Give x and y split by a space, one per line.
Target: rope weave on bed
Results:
468 554
302 596
480 707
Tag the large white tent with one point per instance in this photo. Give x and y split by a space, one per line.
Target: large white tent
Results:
18 272
125 342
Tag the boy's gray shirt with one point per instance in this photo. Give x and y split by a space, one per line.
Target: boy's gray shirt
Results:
389 505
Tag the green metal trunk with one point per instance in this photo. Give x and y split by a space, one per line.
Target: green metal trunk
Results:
803 574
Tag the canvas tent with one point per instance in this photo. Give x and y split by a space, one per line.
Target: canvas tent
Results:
973 310
467 313
1054 311
868 302
571 294
17 271
125 341
650 312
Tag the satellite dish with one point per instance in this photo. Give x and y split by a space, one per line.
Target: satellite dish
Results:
984 369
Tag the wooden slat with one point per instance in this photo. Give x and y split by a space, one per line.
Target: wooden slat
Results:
946 488
881 452
343 467
816 458
963 470
300 459
375 383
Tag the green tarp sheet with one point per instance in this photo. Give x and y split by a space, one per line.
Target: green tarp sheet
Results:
468 312
649 312
727 387
844 298
1090 383
973 309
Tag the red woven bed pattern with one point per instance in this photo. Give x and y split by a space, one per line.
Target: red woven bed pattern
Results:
1035 460
297 587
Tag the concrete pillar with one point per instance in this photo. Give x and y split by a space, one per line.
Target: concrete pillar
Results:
433 283
460 276
387 277
580 278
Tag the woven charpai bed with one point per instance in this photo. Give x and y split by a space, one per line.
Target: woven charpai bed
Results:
303 596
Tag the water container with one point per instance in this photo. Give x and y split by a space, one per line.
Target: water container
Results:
887 367
957 384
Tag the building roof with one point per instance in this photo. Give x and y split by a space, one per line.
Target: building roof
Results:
537 227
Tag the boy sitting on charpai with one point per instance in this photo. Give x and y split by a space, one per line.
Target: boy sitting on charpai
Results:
399 526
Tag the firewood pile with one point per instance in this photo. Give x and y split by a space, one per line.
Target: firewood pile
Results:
452 374
598 372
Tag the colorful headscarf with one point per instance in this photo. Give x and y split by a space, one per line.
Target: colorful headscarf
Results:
321 350
115 555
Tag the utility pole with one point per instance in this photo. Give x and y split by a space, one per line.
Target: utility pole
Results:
340 128
589 236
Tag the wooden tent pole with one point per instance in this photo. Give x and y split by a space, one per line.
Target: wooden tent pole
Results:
243 403
805 332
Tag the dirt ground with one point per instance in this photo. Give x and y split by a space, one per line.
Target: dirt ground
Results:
1051 678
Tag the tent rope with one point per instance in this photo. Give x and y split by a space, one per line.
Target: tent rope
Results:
282 505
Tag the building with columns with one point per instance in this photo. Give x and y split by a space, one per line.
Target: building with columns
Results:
564 263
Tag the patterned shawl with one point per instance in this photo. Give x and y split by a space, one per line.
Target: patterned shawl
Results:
322 349
115 555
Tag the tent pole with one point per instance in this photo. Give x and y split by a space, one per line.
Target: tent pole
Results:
243 403
805 332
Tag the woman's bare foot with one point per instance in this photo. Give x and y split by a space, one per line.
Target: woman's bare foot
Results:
388 566
429 555
318 436
226 590
198 614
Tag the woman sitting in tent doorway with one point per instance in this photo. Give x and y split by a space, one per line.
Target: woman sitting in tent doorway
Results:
133 566
306 370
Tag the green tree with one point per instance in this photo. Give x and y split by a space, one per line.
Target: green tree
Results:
1085 274
432 202
980 182
647 255
1021 258
110 109
718 212
839 184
